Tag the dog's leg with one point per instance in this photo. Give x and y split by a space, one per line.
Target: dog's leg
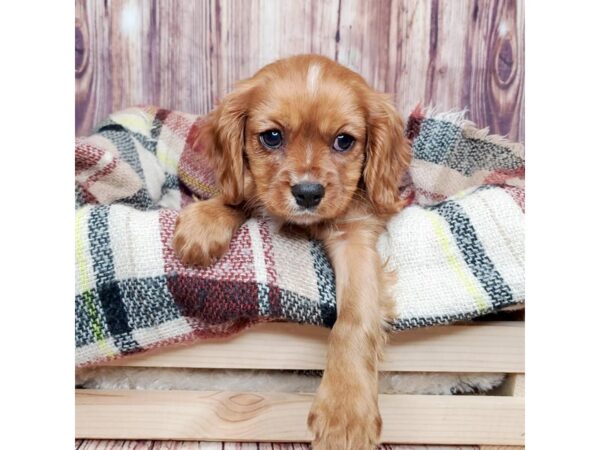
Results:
345 413
204 229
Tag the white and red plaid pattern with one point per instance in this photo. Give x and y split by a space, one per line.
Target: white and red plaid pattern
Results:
458 249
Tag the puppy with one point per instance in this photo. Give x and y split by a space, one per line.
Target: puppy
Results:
309 143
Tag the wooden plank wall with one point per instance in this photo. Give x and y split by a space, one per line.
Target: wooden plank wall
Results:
185 54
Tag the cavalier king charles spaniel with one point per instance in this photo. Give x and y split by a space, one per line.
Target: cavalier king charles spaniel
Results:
307 142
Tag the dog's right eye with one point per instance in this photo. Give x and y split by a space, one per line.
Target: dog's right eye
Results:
271 139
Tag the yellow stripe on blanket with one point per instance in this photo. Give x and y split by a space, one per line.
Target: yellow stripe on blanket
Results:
134 119
194 182
463 275
86 284
164 157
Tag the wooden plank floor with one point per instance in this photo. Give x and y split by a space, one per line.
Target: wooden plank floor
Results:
187 445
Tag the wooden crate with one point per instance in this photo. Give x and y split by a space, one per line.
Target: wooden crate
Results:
236 416
466 54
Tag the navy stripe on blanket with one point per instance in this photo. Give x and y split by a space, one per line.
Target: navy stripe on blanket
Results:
474 253
325 283
444 143
109 293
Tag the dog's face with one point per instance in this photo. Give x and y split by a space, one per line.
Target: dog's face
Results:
298 137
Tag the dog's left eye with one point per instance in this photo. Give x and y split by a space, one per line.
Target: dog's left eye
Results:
343 143
271 139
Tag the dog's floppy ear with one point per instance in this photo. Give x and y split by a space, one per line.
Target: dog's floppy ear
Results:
388 154
222 134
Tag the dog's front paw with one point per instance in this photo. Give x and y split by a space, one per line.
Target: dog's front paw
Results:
203 231
344 419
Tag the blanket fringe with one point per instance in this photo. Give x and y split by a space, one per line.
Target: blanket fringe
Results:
458 117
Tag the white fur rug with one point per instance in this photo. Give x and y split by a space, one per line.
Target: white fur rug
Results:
276 381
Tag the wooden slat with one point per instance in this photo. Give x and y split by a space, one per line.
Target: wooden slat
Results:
113 444
479 348
501 447
495 71
272 417
518 384
93 83
90 444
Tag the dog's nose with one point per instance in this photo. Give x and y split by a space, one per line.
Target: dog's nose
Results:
308 195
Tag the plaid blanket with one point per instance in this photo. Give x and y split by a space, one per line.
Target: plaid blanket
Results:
457 249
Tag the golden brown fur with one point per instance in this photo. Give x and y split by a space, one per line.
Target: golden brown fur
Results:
311 101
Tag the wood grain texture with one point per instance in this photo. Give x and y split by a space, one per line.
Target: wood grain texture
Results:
196 445
273 417
479 348
111 444
502 447
186 55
